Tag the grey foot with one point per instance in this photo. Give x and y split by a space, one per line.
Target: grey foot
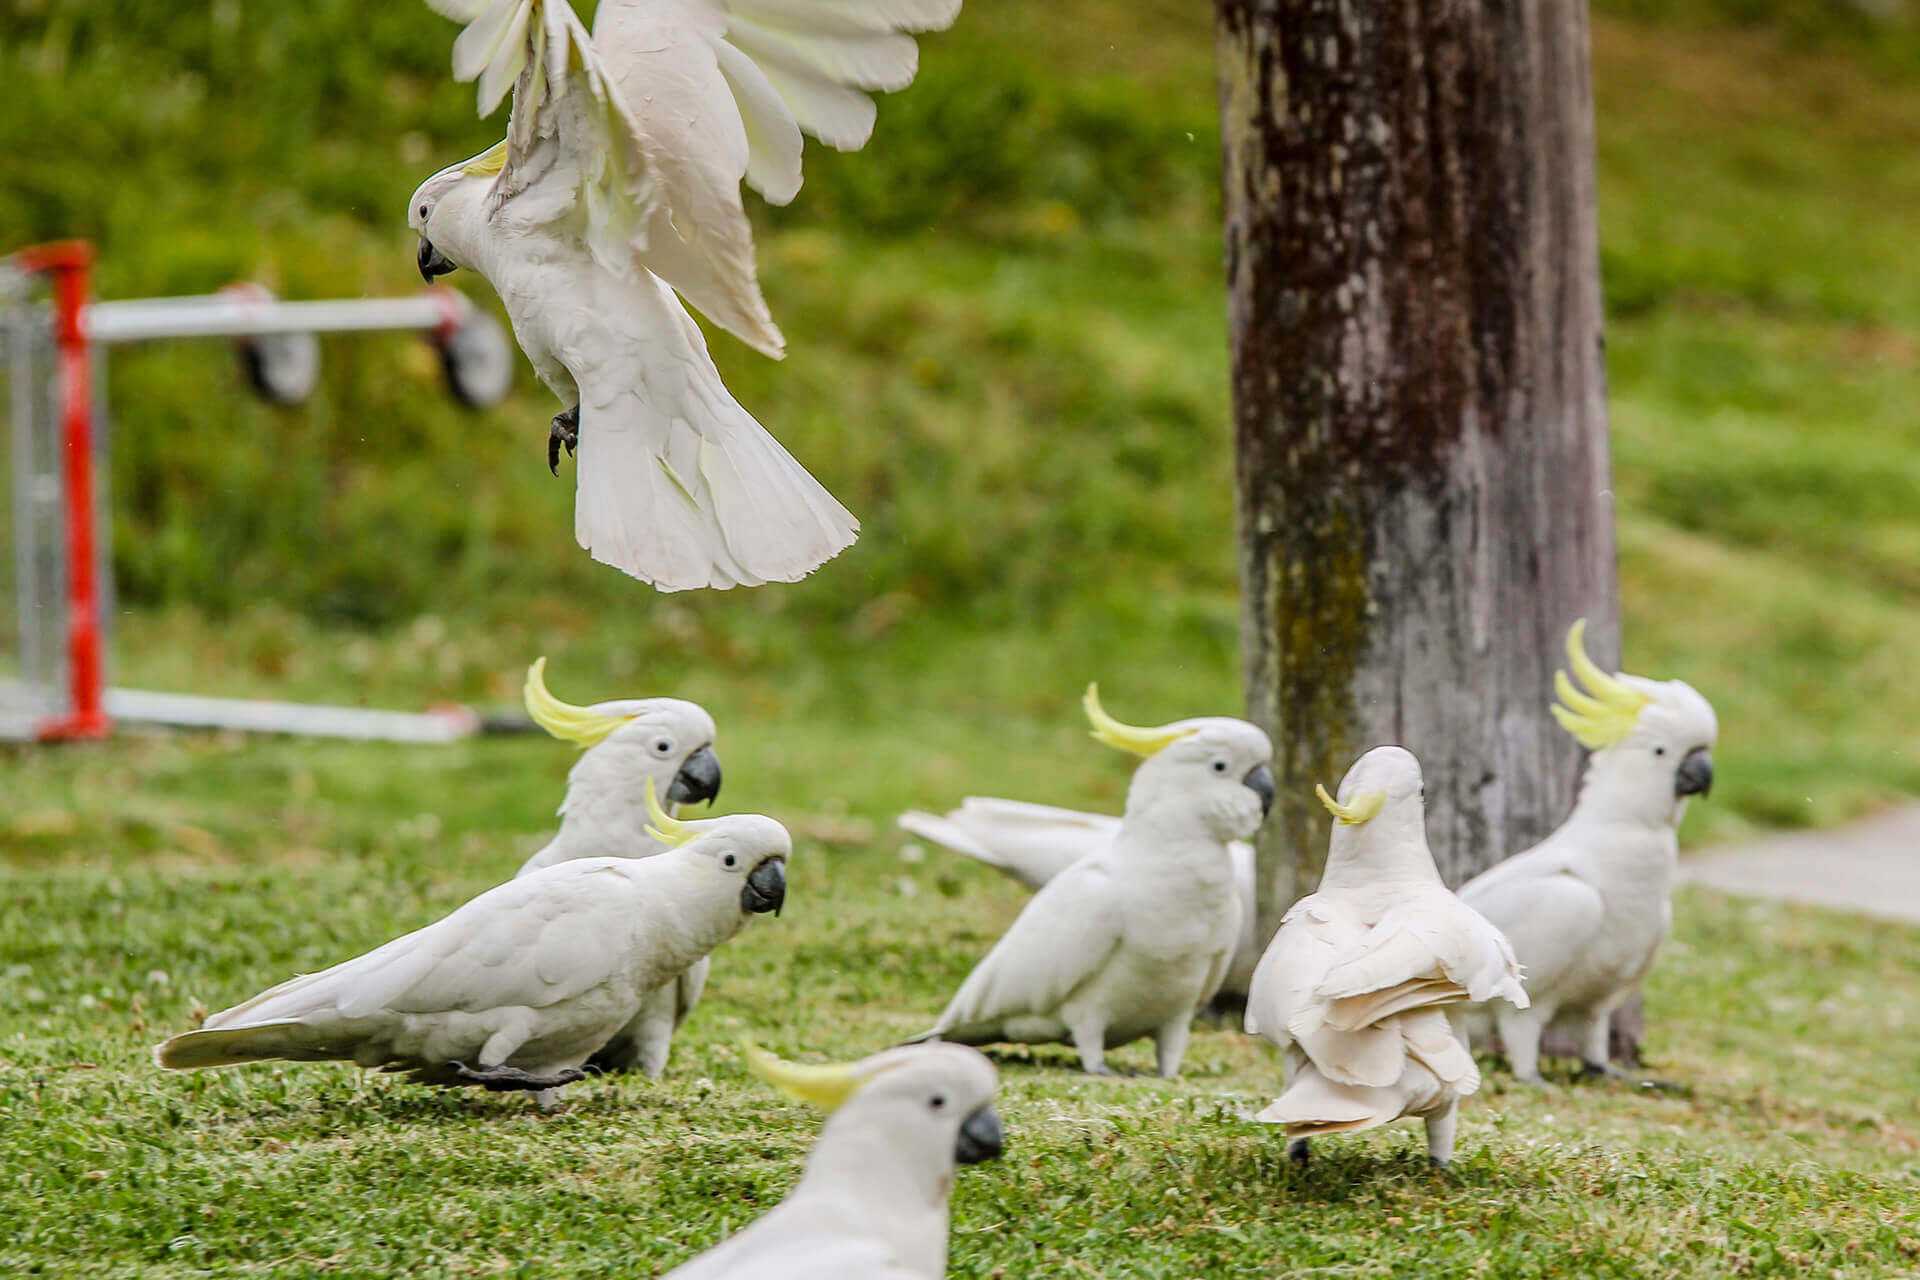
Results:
564 430
504 1079
1300 1151
1437 1164
1591 1070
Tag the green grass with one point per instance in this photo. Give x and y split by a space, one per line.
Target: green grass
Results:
200 871
1008 357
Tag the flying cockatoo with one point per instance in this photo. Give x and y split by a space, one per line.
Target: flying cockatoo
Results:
1033 843
1354 987
872 1204
518 987
618 188
1587 908
630 743
1135 938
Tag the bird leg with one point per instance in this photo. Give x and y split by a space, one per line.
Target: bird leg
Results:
1440 1129
1090 1038
564 430
1300 1151
505 1079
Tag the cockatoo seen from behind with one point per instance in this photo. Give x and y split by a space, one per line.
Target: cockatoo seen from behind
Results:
617 193
1588 907
1135 938
629 744
518 987
1354 986
873 1202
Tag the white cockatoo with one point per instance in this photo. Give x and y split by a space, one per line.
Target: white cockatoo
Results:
1588 907
1135 938
1033 843
618 188
1354 986
629 744
872 1204
516 989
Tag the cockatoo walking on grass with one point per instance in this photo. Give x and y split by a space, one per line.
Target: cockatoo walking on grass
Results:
1135 938
872 1204
630 744
618 188
517 988
1033 843
1354 986
1588 907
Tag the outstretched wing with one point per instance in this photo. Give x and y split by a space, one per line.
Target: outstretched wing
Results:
1033 843
649 125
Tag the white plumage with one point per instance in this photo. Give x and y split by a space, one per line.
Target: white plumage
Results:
872 1204
1354 986
1135 938
1033 843
1588 907
618 186
518 987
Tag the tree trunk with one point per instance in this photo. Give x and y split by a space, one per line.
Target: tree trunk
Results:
1419 397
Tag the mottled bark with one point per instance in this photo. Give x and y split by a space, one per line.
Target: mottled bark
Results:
1419 397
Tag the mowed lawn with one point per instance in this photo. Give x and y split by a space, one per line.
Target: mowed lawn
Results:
1793 1148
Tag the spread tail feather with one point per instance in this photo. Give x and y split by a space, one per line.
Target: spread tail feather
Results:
1314 1105
947 834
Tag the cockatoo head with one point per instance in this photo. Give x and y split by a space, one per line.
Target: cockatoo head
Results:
443 207
1651 740
1381 805
1217 768
925 1106
631 742
743 852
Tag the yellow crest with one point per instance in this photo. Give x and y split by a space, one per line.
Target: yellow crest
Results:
665 828
1127 737
827 1086
1607 712
1364 806
488 163
562 719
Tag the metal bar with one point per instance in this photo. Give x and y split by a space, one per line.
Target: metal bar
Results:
238 315
185 710
22 388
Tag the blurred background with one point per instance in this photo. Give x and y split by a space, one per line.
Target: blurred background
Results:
1007 356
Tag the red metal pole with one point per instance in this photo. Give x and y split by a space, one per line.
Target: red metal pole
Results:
70 265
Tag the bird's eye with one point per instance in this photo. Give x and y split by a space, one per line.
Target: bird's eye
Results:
423 211
729 862
663 746
1219 766
1659 751
937 1101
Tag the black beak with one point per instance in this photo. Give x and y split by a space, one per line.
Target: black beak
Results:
1695 775
698 779
766 887
980 1138
432 261
1260 782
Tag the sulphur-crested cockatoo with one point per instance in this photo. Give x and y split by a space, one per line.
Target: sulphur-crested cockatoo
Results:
1033 843
517 988
629 744
872 1204
1355 984
618 187
1587 908
1135 938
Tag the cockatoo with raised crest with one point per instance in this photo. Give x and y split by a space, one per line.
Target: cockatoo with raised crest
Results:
630 744
1134 939
1588 907
873 1202
616 194
1355 985
516 989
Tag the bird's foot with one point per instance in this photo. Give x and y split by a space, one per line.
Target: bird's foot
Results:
505 1079
564 430
1438 1165
1591 1070
1299 1151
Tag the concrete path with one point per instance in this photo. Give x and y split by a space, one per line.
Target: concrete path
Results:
1872 867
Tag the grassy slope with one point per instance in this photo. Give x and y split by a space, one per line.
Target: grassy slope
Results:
1021 318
